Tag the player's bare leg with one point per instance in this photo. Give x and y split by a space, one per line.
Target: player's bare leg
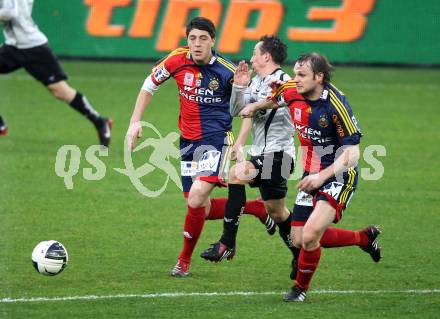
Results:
64 92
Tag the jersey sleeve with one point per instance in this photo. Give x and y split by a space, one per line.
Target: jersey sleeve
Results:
346 125
238 99
285 94
163 70
8 10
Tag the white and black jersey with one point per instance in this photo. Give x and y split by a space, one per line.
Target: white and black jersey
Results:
19 28
272 129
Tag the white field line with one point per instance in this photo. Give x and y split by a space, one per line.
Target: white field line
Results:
216 294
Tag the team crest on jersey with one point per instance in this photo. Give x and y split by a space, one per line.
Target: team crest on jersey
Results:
214 84
189 79
323 121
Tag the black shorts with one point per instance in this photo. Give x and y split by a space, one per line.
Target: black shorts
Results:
39 61
273 171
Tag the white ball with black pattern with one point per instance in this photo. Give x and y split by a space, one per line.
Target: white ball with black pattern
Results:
50 257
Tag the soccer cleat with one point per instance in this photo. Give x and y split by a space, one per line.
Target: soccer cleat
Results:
296 294
3 130
217 252
271 227
181 269
373 247
294 271
3 127
105 131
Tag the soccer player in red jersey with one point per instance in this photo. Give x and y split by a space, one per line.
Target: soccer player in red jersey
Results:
204 79
329 136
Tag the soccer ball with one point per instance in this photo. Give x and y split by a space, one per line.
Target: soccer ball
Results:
50 257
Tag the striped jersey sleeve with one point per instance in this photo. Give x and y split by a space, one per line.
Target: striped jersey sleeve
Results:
164 69
347 127
285 94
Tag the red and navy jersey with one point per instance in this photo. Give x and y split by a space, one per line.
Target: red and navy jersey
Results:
204 92
323 126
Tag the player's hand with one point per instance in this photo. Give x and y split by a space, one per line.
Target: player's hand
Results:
275 84
134 132
248 111
237 153
242 74
310 183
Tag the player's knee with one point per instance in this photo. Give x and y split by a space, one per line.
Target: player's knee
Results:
310 237
297 240
197 199
233 179
62 91
57 92
276 212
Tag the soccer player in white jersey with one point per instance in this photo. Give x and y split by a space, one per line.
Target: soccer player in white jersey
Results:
271 155
27 47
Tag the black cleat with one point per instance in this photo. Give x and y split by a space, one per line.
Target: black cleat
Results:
296 294
373 247
217 252
294 271
105 131
271 226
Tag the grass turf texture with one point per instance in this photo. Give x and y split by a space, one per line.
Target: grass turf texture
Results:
120 242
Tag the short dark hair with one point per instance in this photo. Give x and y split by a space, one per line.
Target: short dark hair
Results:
201 23
275 47
319 63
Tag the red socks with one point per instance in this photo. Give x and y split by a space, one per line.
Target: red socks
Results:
217 210
338 237
194 221
307 264
256 208
332 237
253 207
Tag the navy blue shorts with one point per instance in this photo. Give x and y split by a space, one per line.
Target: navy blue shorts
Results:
337 193
206 159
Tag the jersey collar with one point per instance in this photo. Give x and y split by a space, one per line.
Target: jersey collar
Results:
325 93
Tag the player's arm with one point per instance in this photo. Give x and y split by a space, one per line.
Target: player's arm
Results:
150 86
250 109
237 152
280 96
135 128
348 158
8 10
239 98
348 134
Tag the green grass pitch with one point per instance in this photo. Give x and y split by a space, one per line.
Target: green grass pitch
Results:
122 243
